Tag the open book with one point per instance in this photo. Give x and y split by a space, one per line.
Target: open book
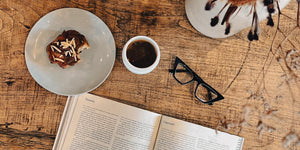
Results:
93 122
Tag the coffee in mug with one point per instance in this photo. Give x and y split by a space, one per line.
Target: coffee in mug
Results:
141 55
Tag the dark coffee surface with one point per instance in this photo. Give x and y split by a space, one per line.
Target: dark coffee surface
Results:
141 54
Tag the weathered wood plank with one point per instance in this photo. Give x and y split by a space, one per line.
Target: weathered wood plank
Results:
255 81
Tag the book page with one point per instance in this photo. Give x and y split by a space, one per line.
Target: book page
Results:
177 135
99 123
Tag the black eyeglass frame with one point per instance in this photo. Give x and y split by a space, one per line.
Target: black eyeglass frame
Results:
198 80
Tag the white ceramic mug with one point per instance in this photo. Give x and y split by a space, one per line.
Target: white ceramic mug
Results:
133 68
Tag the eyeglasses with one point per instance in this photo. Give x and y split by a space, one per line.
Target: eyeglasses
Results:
203 92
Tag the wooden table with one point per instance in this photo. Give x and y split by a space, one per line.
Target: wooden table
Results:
261 88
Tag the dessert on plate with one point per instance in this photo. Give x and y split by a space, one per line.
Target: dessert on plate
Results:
65 49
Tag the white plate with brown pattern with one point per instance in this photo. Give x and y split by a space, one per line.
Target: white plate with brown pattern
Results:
96 62
224 18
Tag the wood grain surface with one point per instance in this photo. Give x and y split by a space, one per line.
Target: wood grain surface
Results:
259 80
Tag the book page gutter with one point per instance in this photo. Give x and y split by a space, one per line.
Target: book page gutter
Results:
99 123
177 134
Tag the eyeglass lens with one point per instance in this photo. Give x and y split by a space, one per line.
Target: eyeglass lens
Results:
202 92
182 74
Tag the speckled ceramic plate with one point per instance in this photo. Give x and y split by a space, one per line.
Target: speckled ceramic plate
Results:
96 62
241 19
